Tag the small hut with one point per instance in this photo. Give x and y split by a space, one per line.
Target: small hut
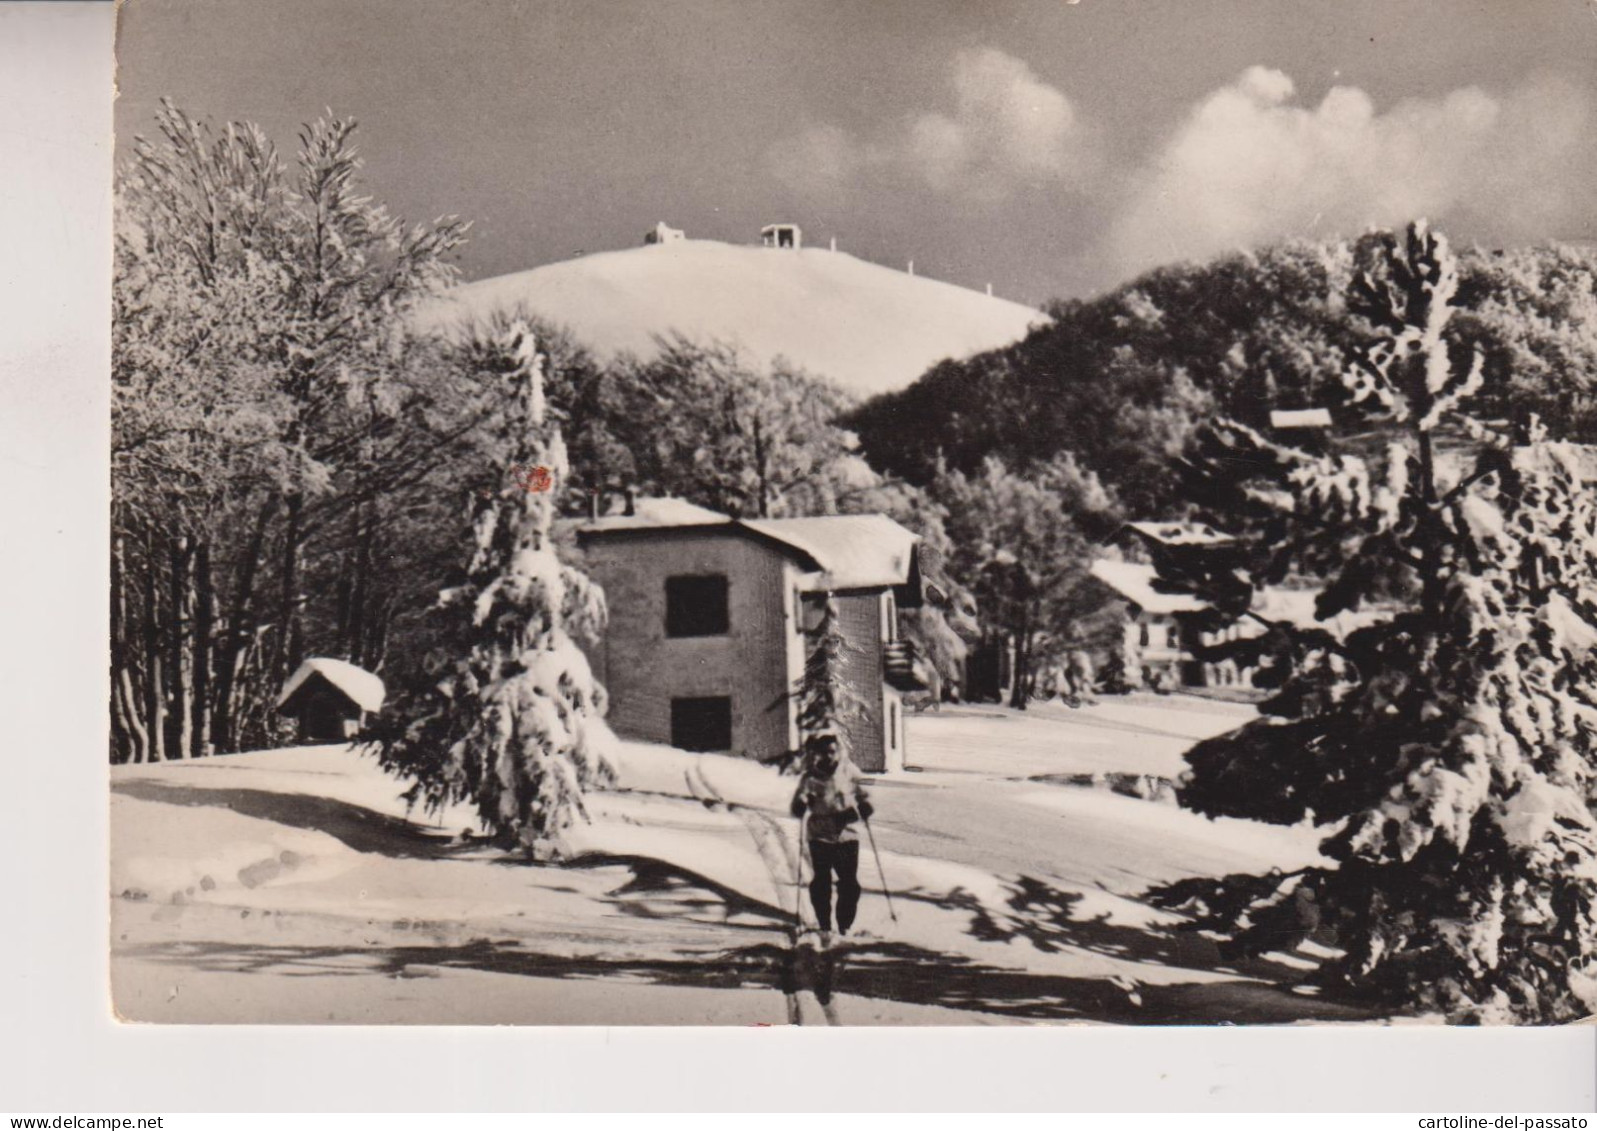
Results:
663 233
782 235
329 698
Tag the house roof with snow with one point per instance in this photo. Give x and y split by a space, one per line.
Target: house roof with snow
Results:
1134 581
656 514
1180 533
363 689
854 551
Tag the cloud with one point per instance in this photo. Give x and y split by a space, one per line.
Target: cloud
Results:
1248 166
1006 129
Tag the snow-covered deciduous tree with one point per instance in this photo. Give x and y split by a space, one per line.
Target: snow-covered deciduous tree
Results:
1447 740
272 412
1019 544
510 717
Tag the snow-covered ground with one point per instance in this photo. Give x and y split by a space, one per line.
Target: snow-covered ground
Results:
292 886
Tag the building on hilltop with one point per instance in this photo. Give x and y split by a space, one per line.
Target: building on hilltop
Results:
663 233
782 235
709 621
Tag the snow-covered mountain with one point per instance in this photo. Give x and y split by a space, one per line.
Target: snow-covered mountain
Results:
867 327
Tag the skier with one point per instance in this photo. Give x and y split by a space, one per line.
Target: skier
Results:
832 794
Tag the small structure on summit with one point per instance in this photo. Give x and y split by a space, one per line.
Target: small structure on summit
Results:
782 235
663 233
330 698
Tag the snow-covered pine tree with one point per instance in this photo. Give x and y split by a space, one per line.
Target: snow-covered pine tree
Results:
1448 743
825 702
512 720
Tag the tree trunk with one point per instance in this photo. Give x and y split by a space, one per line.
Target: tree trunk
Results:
154 692
762 506
240 633
204 611
344 617
1017 689
286 652
123 744
1433 588
181 661
377 645
361 587
125 699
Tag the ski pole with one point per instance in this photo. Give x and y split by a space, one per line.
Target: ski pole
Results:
885 891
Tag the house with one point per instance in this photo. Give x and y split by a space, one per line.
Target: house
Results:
1161 635
1157 634
709 615
663 233
782 235
330 698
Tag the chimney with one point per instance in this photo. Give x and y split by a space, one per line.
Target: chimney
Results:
632 502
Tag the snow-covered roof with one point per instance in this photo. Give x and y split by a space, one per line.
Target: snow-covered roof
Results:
650 514
853 551
1134 582
1300 418
1180 533
364 689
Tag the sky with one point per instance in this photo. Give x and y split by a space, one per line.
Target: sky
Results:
1051 148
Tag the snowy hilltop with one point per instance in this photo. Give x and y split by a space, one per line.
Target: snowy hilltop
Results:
867 327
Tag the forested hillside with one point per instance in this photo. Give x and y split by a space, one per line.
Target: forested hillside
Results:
1122 381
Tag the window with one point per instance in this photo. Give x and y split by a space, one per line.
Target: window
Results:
892 726
889 618
702 724
696 606
1144 634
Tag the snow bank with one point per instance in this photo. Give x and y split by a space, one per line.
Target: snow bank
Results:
646 767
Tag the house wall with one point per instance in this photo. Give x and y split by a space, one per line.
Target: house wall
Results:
1155 640
643 669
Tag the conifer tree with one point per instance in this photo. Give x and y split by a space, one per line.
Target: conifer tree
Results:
512 718
1448 741
823 698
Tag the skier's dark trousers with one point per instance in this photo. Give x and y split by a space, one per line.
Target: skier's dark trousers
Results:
832 794
841 857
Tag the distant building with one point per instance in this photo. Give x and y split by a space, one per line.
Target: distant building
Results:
1157 634
707 641
330 698
1287 419
1161 635
782 235
662 233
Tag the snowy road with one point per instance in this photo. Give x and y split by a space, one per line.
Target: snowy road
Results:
1138 734
973 802
1084 837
